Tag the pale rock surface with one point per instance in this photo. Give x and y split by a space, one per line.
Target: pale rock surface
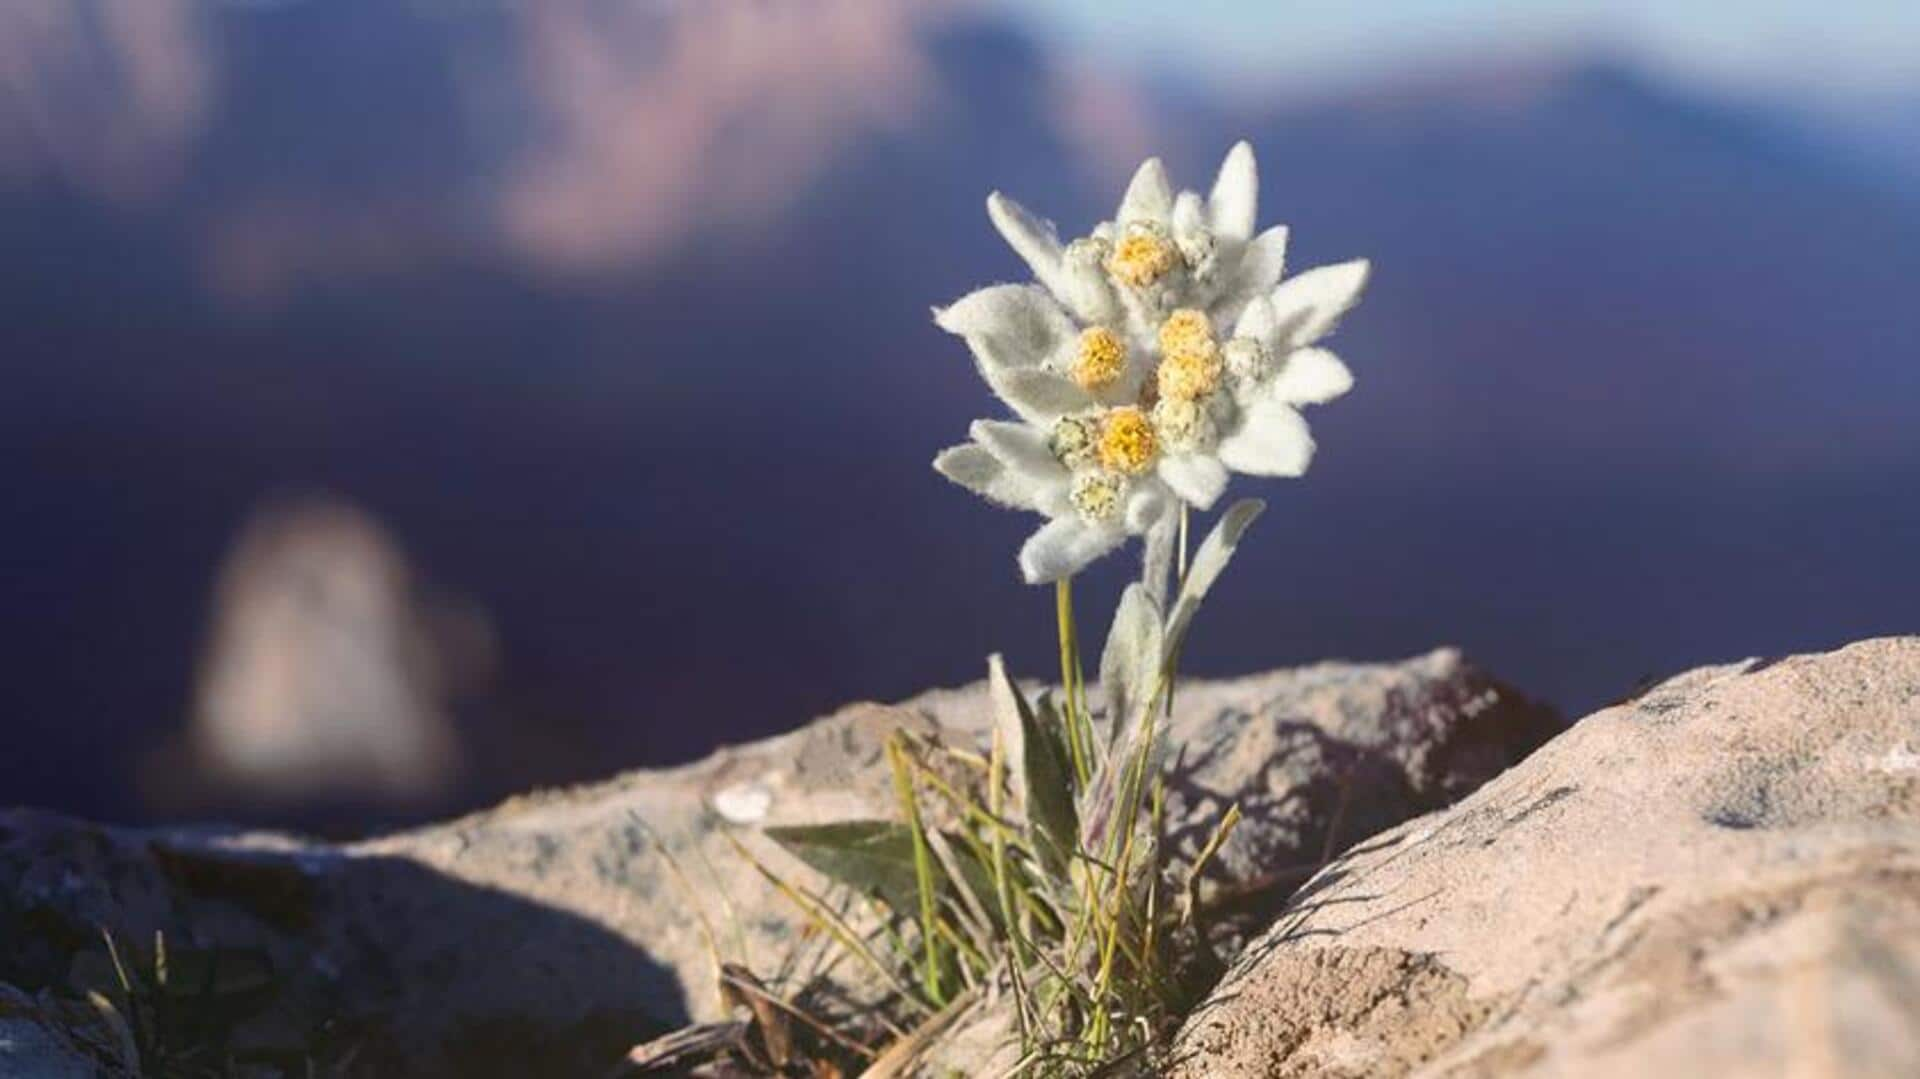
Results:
36 1043
1719 877
324 675
549 934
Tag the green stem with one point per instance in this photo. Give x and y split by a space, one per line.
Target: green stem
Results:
1104 979
1173 660
1072 704
1183 545
986 818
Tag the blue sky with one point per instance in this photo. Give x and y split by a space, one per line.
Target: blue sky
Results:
1831 48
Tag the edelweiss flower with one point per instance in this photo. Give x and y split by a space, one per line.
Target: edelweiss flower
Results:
1081 454
1159 352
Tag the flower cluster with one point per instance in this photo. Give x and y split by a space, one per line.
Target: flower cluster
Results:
1149 359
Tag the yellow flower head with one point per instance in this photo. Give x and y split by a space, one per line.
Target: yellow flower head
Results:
1127 442
1190 373
1184 329
1100 360
1144 255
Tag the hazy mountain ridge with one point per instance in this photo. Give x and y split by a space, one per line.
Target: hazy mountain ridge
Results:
1626 351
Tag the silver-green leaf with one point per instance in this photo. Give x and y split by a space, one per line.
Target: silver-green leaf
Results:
872 857
1049 781
1131 664
1037 771
1009 712
1208 562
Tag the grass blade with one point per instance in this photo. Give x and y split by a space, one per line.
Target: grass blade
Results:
922 870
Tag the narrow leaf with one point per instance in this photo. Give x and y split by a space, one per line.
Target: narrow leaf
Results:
1037 766
1208 562
997 847
923 868
1051 722
1049 782
116 1024
1009 719
823 918
1156 558
970 881
872 857
1130 665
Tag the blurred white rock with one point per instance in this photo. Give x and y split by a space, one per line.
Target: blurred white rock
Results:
326 676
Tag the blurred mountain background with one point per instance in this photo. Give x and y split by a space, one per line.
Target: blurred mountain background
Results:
567 367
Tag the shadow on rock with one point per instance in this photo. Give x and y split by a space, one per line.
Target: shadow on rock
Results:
381 965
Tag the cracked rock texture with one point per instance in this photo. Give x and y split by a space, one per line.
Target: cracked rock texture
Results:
549 934
1719 877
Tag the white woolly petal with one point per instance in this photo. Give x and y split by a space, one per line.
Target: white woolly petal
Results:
1064 546
1054 497
1311 376
1272 441
1149 196
1145 309
1085 289
1197 478
1032 238
1264 261
1261 264
1008 325
1231 207
1021 447
976 469
985 310
1145 506
1036 395
1188 215
1308 306
1256 321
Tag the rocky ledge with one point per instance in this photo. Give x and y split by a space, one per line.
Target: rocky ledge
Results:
548 935
1719 876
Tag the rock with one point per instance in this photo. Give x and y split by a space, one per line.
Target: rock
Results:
1720 877
1322 756
327 675
548 935
46 1039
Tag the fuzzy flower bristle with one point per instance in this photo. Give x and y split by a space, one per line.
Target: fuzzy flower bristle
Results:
1143 256
1183 424
1201 252
1073 440
1190 372
1088 251
1185 329
1099 360
1096 495
1128 444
